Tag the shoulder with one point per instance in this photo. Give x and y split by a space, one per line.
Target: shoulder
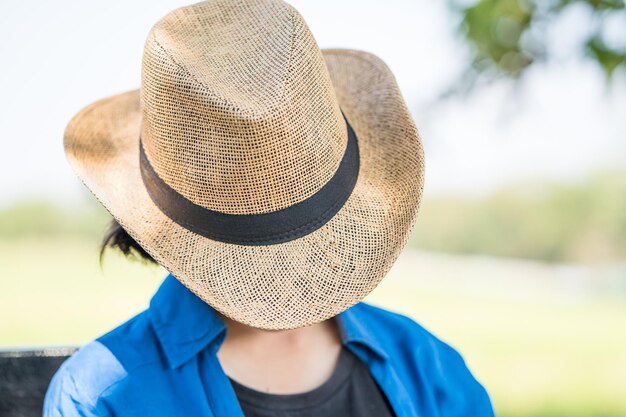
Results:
80 381
97 367
437 367
134 343
398 333
396 328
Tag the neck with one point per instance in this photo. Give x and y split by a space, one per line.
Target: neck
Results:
280 361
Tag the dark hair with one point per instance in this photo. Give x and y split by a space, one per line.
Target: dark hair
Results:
118 238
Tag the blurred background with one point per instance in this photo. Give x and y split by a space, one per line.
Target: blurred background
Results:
518 258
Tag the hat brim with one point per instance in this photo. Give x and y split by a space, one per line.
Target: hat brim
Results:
286 285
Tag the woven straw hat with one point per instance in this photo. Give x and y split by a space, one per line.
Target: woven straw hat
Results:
277 181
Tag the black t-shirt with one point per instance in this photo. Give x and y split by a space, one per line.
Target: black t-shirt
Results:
350 391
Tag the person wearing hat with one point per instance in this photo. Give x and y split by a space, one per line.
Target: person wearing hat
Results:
277 183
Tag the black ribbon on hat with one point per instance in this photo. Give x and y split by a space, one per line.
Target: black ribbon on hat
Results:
258 229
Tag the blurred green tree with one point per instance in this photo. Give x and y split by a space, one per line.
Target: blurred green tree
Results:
507 37
583 222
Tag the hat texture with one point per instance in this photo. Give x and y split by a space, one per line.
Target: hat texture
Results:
240 115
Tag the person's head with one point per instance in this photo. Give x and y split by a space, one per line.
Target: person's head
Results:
277 181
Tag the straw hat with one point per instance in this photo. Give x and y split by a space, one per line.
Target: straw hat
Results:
277 181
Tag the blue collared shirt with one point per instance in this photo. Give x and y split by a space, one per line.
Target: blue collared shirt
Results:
163 362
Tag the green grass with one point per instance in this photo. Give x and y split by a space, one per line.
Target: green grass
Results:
54 292
541 346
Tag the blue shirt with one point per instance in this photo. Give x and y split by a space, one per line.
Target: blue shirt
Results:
163 362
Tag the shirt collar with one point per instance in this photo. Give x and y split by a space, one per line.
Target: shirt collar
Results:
185 324
357 329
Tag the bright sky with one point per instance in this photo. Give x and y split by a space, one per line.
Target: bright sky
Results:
561 124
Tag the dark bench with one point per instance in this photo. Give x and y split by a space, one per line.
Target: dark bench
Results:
24 378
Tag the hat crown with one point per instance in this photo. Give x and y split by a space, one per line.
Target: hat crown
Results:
239 113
